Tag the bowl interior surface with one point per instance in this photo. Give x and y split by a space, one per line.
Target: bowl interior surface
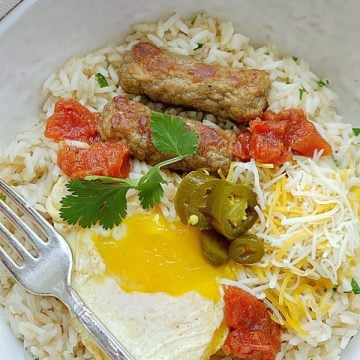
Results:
39 36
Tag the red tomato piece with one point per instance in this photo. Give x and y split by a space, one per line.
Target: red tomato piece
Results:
71 121
280 116
276 136
300 134
268 149
275 128
100 158
253 334
241 146
254 345
266 144
304 139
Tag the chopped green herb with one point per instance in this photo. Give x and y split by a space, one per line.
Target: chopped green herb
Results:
100 78
336 161
150 189
356 131
301 93
198 46
94 200
267 53
334 289
103 199
170 136
2 197
355 287
295 58
322 83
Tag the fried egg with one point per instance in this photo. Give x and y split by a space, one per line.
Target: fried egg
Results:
148 282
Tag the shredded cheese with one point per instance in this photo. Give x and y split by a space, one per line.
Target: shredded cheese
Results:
309 220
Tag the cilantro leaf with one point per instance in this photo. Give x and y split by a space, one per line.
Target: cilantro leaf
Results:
355 287
356 131
198 46
170 136
101 199
301 93
94 201
100 78
150 189
295 58
322 83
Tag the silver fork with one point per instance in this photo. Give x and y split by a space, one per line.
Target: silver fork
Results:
50 272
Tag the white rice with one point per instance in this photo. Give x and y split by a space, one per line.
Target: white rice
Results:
28 163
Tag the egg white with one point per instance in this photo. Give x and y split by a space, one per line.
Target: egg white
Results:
150 325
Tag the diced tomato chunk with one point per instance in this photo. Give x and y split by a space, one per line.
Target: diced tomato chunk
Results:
71 121
253 334
100 158
276 128
268 149
241 147
304 139
243 310
276 136
280 116
254 345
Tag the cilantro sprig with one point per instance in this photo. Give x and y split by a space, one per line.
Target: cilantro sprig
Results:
356 131
100 199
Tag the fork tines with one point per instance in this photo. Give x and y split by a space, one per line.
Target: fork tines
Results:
19 224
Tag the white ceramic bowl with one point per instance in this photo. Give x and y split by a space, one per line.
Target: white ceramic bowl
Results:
38 36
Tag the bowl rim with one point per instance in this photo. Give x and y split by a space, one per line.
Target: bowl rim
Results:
11 17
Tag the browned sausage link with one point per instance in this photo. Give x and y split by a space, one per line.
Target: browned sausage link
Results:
129 121
237 94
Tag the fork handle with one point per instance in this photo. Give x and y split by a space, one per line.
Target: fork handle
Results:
97 330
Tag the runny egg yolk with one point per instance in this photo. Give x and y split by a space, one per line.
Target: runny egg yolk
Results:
157 255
